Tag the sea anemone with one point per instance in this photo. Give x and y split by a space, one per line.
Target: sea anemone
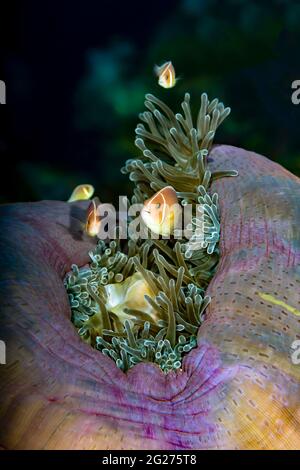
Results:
144 302
238 389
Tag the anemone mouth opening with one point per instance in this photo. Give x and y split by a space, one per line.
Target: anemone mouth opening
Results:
146 302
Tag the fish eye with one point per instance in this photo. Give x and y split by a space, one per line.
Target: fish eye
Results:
158 205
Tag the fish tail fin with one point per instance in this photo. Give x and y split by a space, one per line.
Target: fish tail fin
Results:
156 70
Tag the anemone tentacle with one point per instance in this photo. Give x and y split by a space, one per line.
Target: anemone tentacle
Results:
175 274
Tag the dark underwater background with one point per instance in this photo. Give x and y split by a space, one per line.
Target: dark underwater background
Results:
76 74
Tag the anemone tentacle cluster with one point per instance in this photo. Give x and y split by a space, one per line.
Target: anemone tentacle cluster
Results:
144 301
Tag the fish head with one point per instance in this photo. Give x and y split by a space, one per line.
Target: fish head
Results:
161 212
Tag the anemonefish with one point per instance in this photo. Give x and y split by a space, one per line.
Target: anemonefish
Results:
82 193
129 294
162 212
166 75
93 221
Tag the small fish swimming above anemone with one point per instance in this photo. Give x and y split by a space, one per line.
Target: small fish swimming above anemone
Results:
82 192
162 212
93 221
166 75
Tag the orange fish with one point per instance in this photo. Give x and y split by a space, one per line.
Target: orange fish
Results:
166 75
93 221
82 192
162 212
129 294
